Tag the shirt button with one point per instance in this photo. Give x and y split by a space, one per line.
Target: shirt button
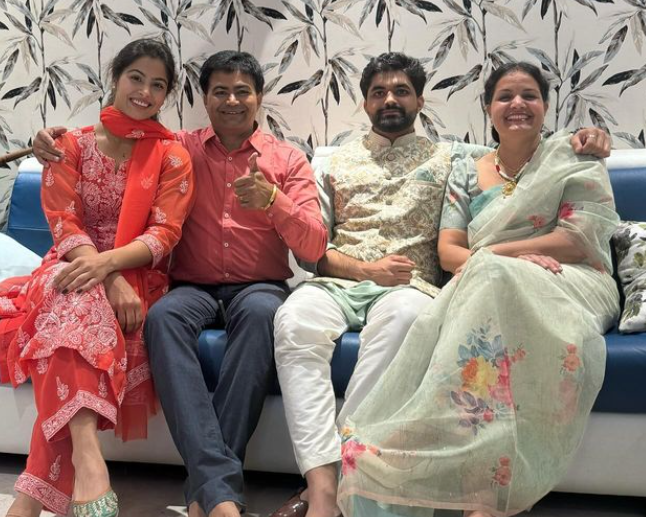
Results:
227 275
390 157
389 202
226 244
387 175
226 215
228 185
230 158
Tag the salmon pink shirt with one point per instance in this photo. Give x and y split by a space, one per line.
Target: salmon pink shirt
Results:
222 243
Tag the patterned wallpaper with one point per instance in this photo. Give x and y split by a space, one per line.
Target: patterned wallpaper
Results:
53 55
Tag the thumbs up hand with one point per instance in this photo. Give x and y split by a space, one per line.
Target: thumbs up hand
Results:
253 163
253 190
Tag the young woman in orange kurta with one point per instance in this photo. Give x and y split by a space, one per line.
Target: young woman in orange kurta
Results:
115 205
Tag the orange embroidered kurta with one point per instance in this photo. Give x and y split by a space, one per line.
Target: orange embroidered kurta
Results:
82 200
71 344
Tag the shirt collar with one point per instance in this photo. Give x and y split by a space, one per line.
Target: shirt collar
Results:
207 134
376 141
256 138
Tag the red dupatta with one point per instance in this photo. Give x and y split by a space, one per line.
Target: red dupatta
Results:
142 178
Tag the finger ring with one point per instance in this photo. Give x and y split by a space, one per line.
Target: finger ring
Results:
592 136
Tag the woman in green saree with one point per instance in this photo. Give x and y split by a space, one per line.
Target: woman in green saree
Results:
487 400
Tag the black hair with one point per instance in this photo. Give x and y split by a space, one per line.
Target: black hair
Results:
508 68
137 49
394 62
232 61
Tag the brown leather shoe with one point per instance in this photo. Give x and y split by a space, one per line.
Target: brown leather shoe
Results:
294 507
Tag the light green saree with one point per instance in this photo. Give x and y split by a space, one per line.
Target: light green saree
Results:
487 400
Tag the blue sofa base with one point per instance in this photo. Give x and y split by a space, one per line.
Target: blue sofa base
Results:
626 361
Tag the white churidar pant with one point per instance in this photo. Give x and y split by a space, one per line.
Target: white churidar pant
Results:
306 326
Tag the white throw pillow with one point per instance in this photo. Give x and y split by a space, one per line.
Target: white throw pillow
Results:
630 244
15 259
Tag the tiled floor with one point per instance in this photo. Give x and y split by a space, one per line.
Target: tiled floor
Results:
156 491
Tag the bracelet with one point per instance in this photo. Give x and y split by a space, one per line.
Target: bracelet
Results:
272 198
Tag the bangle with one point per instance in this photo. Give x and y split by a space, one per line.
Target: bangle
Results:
272 198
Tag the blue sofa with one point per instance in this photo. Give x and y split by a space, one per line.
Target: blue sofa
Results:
612 459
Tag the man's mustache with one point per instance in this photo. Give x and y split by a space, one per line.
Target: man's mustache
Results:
401 111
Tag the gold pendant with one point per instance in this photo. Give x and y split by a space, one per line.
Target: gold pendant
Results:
508 188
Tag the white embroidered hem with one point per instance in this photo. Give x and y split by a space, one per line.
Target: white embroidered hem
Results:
51 498
82 399
136 376
71 242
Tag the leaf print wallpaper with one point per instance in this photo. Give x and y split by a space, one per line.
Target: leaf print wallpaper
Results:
54 53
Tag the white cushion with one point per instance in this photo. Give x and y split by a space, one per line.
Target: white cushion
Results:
300 275
630 244
15 259
30 165
321 153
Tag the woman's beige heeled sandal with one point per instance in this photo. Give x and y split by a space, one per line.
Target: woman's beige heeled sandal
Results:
105 506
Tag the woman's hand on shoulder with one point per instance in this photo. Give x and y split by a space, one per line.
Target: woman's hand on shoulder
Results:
591 141
545 261
124 301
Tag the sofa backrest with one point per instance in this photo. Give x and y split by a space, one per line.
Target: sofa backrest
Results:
627 169
27 223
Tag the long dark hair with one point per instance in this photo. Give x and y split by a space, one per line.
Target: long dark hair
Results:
508 68
137 49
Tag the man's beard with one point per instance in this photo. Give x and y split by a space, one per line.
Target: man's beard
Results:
394 123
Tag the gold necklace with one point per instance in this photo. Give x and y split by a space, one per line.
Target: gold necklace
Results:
511 180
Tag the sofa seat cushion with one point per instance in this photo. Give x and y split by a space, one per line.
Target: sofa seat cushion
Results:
623 386
212 344
620 393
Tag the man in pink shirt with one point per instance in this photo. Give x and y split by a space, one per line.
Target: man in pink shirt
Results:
255 200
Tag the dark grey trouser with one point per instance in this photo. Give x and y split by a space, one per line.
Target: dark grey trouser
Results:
211 434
